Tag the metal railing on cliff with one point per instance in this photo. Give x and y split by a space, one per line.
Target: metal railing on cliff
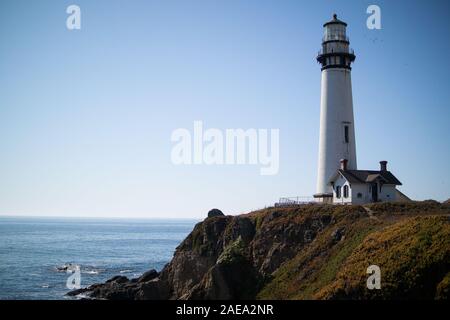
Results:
294 201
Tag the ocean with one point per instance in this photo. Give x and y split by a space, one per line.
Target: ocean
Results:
34 252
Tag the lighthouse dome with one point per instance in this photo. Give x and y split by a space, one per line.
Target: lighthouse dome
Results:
335 20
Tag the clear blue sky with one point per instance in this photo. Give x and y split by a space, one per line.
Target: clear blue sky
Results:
86 116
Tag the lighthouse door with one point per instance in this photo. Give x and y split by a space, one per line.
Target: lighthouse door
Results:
374 192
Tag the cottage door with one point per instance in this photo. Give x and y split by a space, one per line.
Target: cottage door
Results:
374 192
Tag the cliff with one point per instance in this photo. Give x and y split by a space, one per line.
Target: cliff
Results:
304 252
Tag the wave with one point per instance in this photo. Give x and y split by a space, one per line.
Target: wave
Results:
91 272
126 271
67 267
72 267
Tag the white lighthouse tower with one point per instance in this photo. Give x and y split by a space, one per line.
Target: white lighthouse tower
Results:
337 127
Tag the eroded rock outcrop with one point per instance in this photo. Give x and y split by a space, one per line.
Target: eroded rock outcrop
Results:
310 251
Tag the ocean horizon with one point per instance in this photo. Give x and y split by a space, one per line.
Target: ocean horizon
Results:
39 254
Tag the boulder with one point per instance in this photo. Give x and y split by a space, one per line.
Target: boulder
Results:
338 234
215 213
148 275
118 279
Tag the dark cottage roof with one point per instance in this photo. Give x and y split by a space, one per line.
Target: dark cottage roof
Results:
367 176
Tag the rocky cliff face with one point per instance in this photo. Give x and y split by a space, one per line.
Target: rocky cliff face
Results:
305 252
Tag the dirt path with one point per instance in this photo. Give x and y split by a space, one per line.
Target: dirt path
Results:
370 213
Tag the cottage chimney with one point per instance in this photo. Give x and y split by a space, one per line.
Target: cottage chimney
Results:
344 164
383 165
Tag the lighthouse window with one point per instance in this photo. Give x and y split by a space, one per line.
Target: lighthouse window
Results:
346 137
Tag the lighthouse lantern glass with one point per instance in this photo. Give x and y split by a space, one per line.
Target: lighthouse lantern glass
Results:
334 32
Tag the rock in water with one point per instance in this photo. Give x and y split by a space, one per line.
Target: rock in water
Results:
148 275
118 279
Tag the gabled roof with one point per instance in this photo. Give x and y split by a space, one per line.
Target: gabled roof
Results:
367 176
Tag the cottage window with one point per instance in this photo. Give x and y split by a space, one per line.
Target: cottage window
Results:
345 191
338 192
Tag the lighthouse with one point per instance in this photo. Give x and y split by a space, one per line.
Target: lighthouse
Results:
337 126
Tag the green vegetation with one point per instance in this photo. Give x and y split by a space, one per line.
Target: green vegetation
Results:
415 207
414 256
412 250
234 252
443 288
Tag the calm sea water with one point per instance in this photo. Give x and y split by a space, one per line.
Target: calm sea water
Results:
32 249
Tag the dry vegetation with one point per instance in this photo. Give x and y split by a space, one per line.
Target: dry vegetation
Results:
409 241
